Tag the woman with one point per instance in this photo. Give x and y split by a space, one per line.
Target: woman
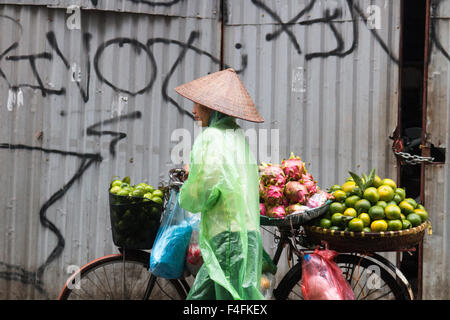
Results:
223 186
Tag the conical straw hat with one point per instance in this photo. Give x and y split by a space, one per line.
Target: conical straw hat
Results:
222 91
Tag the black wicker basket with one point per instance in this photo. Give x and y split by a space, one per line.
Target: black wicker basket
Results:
134 221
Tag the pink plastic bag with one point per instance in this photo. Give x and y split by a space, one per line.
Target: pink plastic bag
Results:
322 279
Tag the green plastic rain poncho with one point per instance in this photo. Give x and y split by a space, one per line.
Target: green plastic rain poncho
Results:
223 186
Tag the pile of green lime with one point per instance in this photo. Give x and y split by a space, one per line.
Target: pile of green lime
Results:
141 190
371 204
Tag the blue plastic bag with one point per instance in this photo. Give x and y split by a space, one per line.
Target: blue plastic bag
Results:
172 240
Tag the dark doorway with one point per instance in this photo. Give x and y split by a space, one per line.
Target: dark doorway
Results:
410 117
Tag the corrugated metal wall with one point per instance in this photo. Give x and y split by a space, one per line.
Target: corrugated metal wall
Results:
116 73
436 259
317 70
322 76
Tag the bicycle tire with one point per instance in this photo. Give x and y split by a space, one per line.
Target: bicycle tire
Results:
397 284
105 283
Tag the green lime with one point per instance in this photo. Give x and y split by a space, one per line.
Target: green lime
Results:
356 224
148 196
115 189
389 182
379 225
422 213
350 212
334 188
406 224
365 218
371 194
336 207
401 192
348 186
381 204
362 205
397 198
149 189
376 181
325 223
386 192
337 219
340 195
123 192
419 206
157 199
158 193
406 207
376 213
139 192
116 183
395 225
392 212
351 201
367 229
415 219
412 202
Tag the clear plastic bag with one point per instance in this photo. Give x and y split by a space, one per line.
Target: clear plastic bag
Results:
267 285
194 259
172 240
322 279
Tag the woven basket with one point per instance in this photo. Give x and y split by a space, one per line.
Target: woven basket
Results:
296 219
349 241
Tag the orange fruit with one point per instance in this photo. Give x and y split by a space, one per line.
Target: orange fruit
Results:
376 213
393 212
356 224
386 193
379 225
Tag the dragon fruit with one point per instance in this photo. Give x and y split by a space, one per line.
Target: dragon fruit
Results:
274 195
277 212
272 174
262 191
262 209
293 167
296 192
310 184
295 208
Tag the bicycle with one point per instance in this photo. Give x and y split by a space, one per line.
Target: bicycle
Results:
126 275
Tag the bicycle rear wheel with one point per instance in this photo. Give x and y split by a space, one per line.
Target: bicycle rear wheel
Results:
119 277
371 278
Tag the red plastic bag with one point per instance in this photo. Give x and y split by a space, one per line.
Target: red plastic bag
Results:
322 279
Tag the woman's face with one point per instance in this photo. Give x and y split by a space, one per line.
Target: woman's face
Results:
201 114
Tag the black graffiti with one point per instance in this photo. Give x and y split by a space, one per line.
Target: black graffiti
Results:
139 47
34 277
86 44
327 19
157 3
284 27
92 130
435 42
32 60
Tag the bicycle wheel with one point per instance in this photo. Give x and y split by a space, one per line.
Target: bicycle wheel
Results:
371 278
114 277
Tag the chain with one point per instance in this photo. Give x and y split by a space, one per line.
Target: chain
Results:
413 159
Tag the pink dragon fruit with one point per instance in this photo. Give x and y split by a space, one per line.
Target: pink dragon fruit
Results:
272 174
293 167
262 191
296 192
277 212
262 209
310 184
274 195
295 208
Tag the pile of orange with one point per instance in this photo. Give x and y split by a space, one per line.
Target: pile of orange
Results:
371 205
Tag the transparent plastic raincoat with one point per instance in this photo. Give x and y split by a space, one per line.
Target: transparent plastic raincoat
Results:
223 186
